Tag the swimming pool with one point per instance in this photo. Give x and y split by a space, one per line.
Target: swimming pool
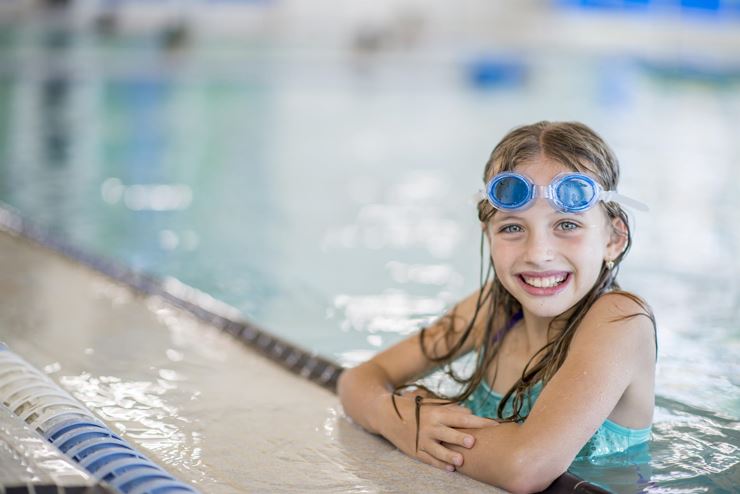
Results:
328 198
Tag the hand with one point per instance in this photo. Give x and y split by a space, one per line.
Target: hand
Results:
438 424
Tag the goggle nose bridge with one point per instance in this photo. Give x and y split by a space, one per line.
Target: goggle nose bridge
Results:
545 191
550 193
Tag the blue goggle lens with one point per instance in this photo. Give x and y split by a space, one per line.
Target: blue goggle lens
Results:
511 192
575 193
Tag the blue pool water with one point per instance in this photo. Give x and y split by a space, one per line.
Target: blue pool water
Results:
329 198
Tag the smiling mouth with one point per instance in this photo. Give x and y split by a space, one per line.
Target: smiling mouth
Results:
544 281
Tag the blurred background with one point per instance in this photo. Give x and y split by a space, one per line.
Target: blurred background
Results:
312 163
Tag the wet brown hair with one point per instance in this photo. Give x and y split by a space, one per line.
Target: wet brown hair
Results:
580 149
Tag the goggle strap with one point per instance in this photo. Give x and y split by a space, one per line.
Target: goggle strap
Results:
624 200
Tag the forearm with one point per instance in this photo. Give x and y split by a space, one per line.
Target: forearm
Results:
494 458
504 456
365 395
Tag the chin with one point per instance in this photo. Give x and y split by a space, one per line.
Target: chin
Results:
546 307
545 312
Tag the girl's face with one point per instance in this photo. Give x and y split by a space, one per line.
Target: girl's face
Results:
546 259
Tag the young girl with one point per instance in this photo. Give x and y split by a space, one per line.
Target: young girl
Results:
564 359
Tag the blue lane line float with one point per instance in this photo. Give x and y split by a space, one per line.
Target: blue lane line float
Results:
77 433
488 70
726 8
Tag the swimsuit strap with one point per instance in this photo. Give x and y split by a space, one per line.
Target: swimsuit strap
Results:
512 322
515 319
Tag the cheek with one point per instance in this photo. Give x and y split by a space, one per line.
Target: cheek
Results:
500 249
501 255
587 253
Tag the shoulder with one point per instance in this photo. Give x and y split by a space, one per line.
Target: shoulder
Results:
619 320
620 303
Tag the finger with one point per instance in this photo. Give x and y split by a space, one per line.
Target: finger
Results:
440 414
458 409
460 421
453 418
442 454
454 436
431 460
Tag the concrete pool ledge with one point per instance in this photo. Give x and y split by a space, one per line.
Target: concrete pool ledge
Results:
161 364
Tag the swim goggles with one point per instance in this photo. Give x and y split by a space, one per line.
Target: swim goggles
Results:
568 193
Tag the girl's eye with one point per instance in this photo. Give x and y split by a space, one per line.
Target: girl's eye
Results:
511 229
567 225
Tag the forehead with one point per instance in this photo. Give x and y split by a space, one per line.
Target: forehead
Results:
541 170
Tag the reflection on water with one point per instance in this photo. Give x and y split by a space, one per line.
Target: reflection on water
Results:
331 204
690 442
409 219
627 472
390 312
152 197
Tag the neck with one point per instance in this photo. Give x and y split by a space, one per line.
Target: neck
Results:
535 329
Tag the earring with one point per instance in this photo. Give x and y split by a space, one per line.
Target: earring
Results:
609 264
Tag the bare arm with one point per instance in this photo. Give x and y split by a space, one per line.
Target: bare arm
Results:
365 392
604 359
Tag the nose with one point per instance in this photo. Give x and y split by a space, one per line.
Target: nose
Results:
540 248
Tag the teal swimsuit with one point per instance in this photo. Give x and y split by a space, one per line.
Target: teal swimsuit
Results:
609 438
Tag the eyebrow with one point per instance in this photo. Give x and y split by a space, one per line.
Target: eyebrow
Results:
505 217
514 216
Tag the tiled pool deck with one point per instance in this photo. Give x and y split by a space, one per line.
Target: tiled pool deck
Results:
259 428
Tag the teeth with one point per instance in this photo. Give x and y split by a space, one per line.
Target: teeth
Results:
548 282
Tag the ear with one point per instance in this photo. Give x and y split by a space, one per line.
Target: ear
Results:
617 238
